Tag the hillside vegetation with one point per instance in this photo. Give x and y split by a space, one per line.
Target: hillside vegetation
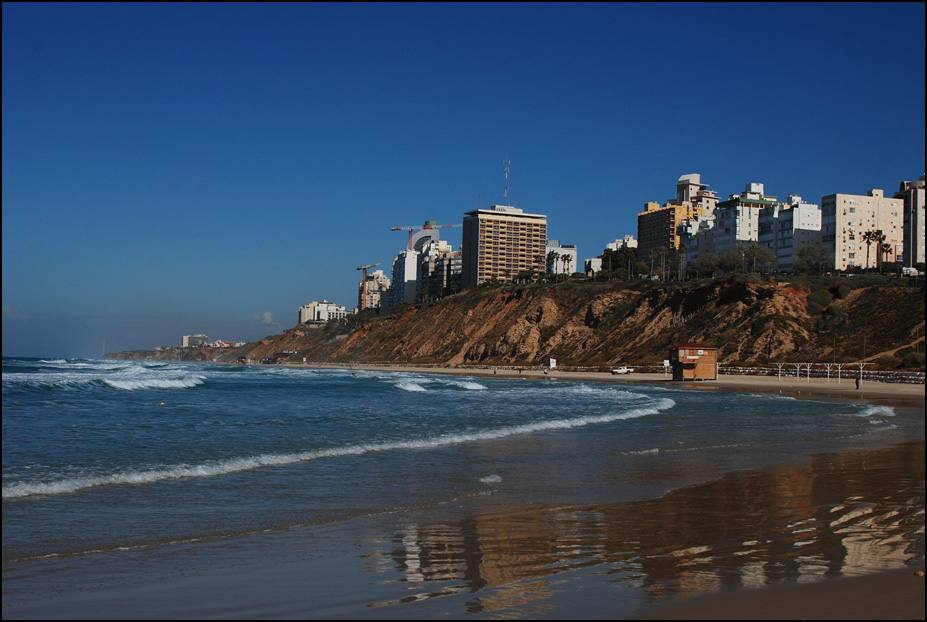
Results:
579 323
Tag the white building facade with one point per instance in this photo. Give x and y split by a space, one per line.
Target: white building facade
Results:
321 312
787 228
846 218
567 261
737 220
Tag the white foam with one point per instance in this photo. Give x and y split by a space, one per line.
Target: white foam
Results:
410 386
154 383
237 465
470 386
491 479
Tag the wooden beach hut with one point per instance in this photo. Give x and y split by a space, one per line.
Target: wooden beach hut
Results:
694 361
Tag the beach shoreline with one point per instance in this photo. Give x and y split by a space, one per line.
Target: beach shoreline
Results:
830 535
872 392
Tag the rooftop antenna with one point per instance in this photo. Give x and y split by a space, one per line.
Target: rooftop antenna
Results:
505 194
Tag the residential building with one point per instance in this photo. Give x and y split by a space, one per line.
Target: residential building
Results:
737 220
438 271
370 293
786 228
194 341
912 194
661 230
845 220
567 258
691 191
628 241
658 230
405 278
321 312
501 242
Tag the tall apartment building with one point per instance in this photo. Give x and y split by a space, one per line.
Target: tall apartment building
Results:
787 228
405 277
370 293
658 227
845 219
691 191
500 242
321 312
912 194
438 271
737 220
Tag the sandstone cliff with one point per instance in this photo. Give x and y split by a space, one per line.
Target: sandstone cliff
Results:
586 324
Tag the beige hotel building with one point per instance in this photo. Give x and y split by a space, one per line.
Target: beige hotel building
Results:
500 242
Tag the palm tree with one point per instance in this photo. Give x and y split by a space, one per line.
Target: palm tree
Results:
870 237
552 258
567 259
880 248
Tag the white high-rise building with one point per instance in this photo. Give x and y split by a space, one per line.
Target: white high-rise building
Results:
737 220
787 228
405 277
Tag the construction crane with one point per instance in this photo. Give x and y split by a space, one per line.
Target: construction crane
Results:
363 304
431 224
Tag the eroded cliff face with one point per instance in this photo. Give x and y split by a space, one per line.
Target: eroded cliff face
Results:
586 325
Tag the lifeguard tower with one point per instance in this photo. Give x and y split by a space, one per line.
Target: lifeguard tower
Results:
694 361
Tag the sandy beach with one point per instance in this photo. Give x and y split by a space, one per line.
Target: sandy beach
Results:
901 395
597 524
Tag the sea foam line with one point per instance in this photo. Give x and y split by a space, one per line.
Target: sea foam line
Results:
238 465
154 383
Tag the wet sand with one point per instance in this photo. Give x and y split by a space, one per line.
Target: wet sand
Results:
893 594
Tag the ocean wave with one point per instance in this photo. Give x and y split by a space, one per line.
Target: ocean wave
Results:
875 411
237 465
135 384
410 386
468 385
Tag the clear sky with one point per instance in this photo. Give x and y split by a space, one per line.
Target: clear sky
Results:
171 169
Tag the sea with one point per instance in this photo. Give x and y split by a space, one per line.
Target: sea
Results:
180 490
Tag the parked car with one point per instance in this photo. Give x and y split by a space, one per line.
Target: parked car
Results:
621 370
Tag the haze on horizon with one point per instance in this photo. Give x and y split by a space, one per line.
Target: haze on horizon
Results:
171 169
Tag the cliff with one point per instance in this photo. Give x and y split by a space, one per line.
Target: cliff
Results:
587 324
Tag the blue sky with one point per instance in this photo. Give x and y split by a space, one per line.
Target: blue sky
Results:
171 169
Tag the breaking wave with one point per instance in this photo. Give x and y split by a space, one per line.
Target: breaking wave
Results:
154 383
237 465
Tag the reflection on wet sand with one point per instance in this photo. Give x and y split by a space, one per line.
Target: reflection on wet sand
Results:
836 514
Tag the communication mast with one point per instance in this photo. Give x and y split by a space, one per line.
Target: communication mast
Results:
505 193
